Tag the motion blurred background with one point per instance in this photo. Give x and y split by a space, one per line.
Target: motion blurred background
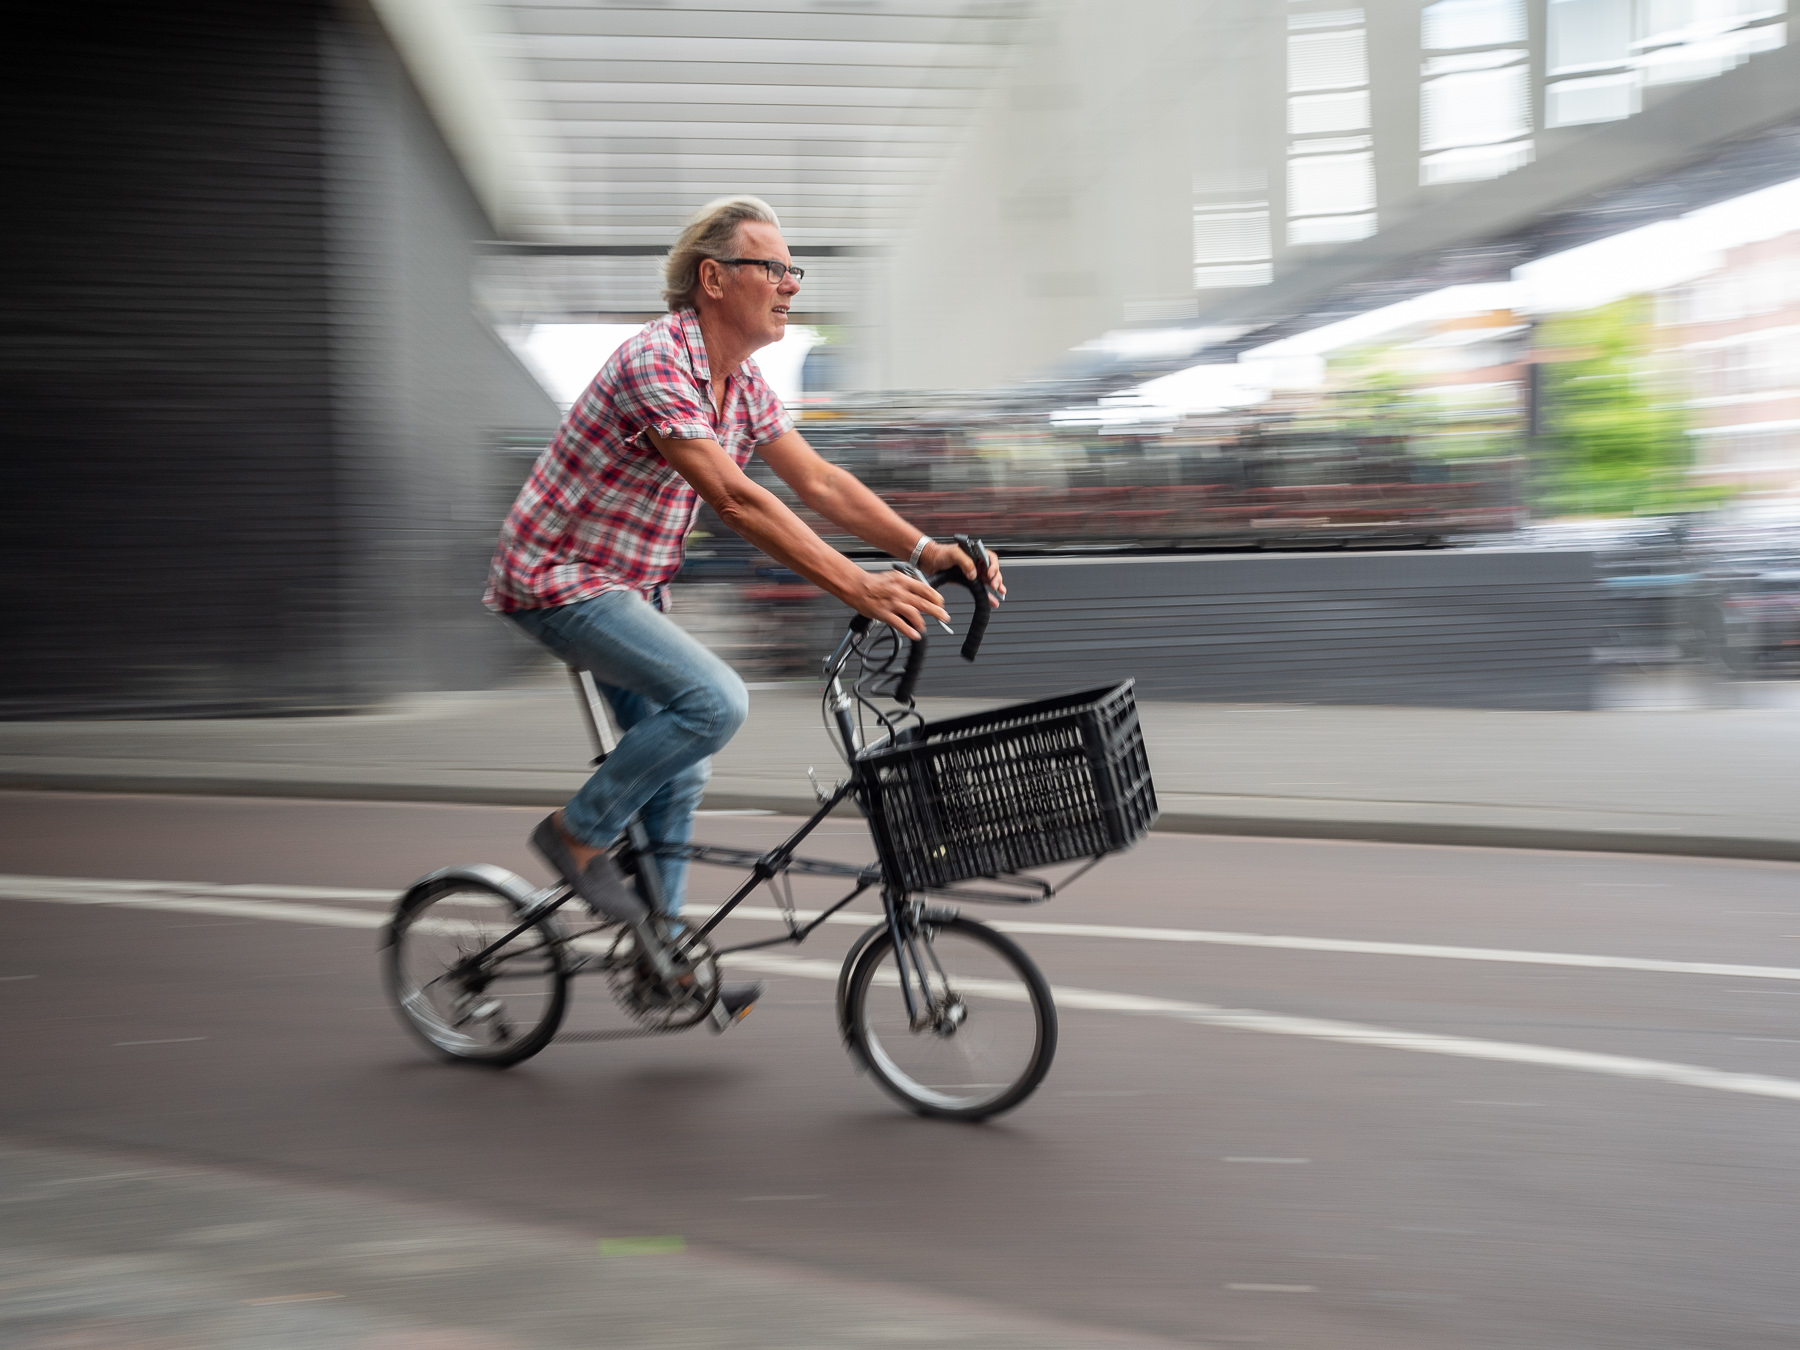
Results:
1441 354
1405 393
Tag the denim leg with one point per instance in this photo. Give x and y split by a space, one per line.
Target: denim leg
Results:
669 814
687 705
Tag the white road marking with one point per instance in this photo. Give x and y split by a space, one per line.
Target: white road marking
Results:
1345 945
1292 1161
1442 953
105 1176
1274 1288
80 890
167 1040
1357 1033
145 895
8 979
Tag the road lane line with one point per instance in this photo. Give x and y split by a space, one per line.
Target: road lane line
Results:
1274 1288
1352 1033
140 896
93 891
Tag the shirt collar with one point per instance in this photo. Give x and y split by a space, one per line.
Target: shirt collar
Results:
689 320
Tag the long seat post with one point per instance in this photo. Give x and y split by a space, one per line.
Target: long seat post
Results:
596 713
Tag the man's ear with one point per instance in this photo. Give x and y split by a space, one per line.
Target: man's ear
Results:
715 285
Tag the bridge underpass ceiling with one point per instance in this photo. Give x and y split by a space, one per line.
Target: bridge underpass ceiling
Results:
841 114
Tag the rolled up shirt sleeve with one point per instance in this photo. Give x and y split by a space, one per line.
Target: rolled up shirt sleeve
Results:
654 392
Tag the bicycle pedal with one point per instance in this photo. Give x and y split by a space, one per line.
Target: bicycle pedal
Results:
722 1020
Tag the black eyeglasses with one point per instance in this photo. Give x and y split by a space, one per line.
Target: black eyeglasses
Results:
776 270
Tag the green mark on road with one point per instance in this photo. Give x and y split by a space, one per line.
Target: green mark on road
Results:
643 1246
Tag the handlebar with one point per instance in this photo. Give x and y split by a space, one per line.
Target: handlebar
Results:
915 661
978 620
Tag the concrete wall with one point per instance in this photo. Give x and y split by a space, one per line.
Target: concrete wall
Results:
423 386
1069 209
1074 190
244 402
1439 629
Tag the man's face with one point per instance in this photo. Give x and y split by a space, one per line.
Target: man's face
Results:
752 304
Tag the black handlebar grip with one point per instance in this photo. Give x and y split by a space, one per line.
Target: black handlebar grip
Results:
978 588
909 678
859 623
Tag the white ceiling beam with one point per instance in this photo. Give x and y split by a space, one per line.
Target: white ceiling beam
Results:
758 51
825 95
462 80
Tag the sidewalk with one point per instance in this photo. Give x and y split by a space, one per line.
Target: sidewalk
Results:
1722 782
112 1249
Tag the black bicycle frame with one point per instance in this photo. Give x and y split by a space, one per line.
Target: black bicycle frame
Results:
766 866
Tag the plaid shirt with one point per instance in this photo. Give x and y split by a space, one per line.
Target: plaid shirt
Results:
602 510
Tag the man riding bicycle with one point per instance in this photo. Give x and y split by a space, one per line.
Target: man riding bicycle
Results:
597 533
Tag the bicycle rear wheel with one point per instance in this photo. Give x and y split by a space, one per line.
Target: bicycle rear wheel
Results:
497 1010
981 1033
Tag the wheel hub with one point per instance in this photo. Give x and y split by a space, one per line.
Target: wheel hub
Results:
950 1016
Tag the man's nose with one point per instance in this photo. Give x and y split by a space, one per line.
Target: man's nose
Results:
789 283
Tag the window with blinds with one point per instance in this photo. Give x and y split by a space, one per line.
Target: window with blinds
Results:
1331 157
1475 91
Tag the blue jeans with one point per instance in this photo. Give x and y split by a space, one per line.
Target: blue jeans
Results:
675 703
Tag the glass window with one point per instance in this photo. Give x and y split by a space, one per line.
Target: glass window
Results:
1327 61
1450 24
1321 185
1310 114
1599 98
1589 33
1477 107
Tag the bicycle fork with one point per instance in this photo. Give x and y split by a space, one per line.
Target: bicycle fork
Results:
907 920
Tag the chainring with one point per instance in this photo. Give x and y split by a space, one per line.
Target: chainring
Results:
650 1002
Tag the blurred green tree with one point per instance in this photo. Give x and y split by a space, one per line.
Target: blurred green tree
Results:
1614 436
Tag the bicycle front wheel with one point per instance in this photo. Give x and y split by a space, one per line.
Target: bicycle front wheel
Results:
495 1009
981 1029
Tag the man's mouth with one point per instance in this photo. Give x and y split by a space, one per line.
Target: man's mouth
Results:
781 310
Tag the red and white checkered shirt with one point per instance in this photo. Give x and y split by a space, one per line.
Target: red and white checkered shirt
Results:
603 510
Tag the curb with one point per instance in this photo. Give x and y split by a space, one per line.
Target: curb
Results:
1550 837
1449 834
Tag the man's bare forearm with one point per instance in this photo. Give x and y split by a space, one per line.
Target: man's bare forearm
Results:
847 502
765 520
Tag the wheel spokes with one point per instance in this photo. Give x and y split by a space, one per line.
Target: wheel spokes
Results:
973 1033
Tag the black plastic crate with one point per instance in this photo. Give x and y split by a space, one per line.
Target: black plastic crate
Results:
1028 785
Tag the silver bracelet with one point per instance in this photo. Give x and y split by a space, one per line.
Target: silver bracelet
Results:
918 550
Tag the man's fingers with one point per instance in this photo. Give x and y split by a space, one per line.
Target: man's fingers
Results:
922 595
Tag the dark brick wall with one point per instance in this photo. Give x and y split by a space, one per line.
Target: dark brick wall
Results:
244 400
170 530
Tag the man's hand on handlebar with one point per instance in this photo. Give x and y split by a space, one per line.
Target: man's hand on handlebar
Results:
901 601
937 558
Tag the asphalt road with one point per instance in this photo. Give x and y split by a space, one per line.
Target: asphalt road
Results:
1438 1138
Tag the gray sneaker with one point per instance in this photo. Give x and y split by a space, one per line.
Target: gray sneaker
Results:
600 883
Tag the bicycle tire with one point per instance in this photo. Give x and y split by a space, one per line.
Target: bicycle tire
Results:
461 1017
1007 1008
